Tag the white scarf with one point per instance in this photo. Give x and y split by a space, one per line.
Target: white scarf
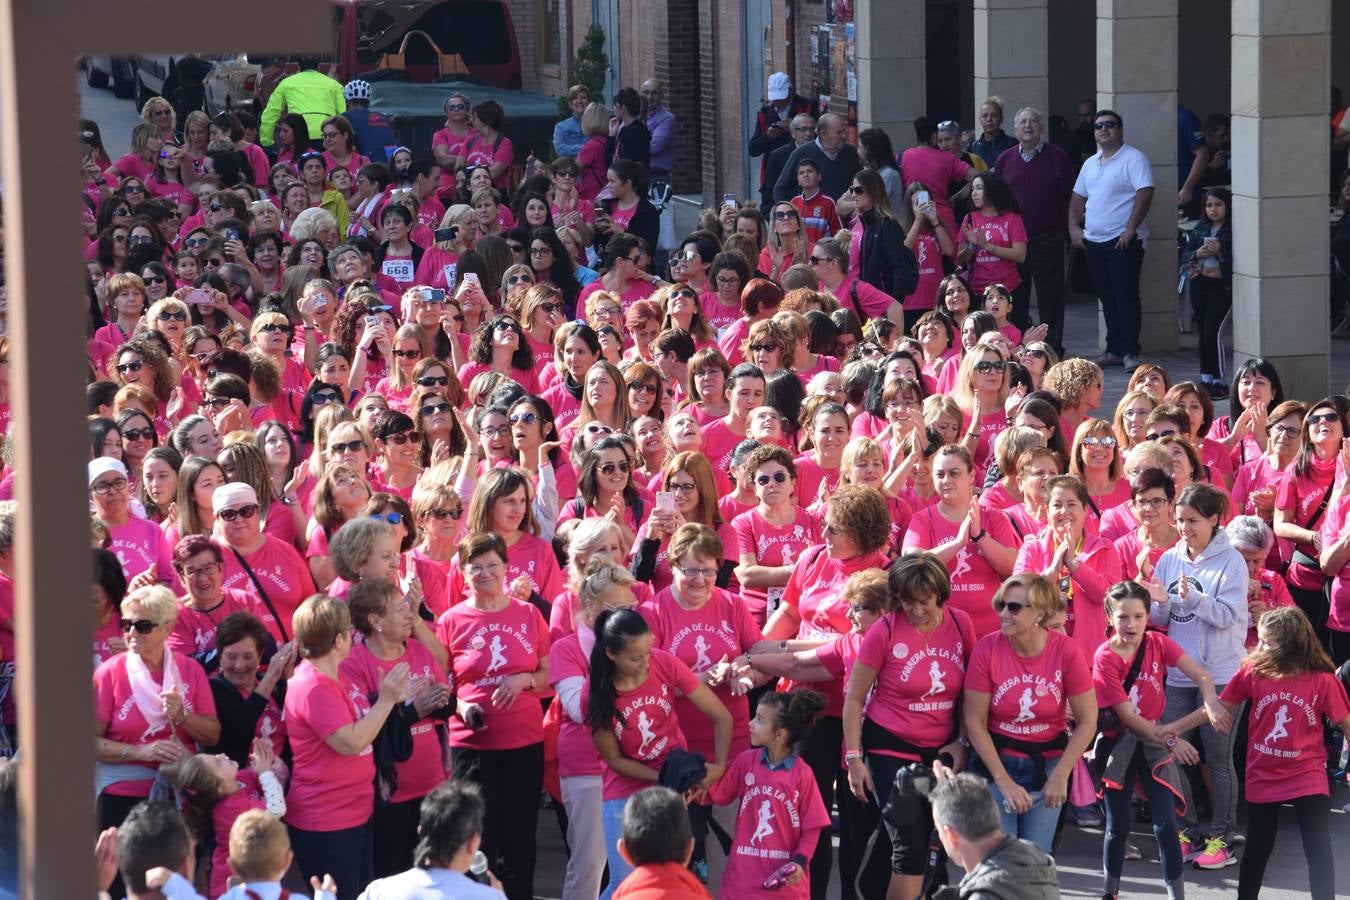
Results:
147 694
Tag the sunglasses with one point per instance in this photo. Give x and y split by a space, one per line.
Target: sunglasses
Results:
170 315
142 626
1104 440
551 306
855 189
247 511
194 242
1158 435
520 279
392 518
122 211
137 239
321 399
138 434
215 207
456 107
817 260
781 214
408 354
434 408
643 387
1012 607
154 279
595 428
274 327
1105 126
504 325
528 418
516 248
609 467
444 514
119 238
1319 418
1038 354
985 366
763 348
776 478
216 402
433 381
346 447
401 438
130 367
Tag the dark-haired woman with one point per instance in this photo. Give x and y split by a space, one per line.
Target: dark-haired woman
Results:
633 723
1208 261
628 211
993 239
501 345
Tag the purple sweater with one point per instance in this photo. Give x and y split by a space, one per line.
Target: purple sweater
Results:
1042 188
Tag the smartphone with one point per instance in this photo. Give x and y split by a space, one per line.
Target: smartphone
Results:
665 501
446 234
777 879
472 276
433 295
923 197
231 234
728 199
372 321
199 297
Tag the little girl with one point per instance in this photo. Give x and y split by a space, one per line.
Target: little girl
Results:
998 303
1143 749
1292 686
216 792
1208 259
780 814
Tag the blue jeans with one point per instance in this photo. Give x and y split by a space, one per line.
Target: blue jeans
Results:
1036 824
613 825
1115 278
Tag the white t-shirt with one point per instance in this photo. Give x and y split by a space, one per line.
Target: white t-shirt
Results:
429 884
1109 186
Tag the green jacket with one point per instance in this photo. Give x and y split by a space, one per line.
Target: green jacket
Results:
309 93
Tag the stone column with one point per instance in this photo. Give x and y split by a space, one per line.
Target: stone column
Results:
1137 77
892 82
1281 69
1011 58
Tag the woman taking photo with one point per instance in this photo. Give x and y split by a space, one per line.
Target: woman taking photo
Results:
497 732
627 211
331 725
954 531
1020 734
926 237
1207 260
916 658
688 478
771 536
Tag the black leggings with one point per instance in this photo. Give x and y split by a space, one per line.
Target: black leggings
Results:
824 747
1212 301
395 836
1314 824
511 781
346 854
1118 820
1316 606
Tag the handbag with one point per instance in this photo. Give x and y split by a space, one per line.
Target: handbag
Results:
1108 723
267 601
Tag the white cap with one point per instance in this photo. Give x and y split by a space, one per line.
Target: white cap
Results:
103 465
780 86
231 493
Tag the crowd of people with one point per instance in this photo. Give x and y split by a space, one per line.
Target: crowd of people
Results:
422 490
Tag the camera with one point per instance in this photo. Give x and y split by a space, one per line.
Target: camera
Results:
913 784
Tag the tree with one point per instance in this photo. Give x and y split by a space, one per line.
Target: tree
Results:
589 66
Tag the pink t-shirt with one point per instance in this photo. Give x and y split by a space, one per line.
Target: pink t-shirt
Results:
565 407
718 315
873 300
455 147
531 557
194 631
647 727
486 648
1098 569
1128 548
437 268
115 706
1146 695
992 424
480 152
938 170
523 377
1332 528
561 618
329 791
779 815
718 443
974 580
132 166
722 627
577 755
810 475
928 254
1285 756
662 577
103 638
139 544
1028 695
1002 230
1303 494
421 772
284 576
637 290
771 545
248 795
352 165
919 676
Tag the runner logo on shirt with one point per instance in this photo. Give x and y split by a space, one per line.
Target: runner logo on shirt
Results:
1290 705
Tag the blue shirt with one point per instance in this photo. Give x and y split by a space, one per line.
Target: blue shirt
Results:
568 138
786 765
661 123
1190 136
373 132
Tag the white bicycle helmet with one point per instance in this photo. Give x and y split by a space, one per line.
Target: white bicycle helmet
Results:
357 90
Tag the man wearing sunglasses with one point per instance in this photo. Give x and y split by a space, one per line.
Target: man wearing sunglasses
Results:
1106 218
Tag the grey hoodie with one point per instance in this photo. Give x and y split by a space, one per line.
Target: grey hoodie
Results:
1211 623
1015 870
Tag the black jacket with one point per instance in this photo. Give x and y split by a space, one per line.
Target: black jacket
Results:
886 262
763 146
634 142
646 224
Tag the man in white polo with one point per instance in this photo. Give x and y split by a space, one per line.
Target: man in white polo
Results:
1106 215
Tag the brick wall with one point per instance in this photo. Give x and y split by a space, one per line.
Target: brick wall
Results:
708 41
677 65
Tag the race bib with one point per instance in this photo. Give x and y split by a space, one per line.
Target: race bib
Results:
775 600
448 273
401 270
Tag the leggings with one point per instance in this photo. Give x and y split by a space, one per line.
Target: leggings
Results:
1218 756
1212 302
511 781
1118 820
1263 819
824 747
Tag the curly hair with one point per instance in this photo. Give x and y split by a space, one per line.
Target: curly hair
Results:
860 512
480 348
1071 379
162 377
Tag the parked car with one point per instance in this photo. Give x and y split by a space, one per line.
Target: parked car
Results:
177 79
117 71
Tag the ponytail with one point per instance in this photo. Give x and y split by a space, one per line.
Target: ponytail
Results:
796 711
613 630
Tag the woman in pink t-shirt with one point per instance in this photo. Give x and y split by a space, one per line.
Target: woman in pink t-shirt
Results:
994 237
630 702
1152 493
936 333
1258 480
385 618
927 238
592 539
1095 460
818 470
771 536
1020 685
500 345
499 649
688 478
981 390
1199 409
332 724
864 462
916 659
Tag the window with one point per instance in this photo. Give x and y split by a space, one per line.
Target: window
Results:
547 27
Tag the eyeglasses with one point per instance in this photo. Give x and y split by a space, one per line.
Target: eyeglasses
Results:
643 387
1104 440
781 214
696 573
1037 354
432 409
898 405
776 478
190 243
1153 503
1011 607
274 327
986 366
634 259
346 446
443 514
1105 125
433 381
1158 435
134 366
247 511
171 315
330 135
609 468
138 434
208 569
608 310
154 279
495 431
216 402
103 488
540 251
475 569
763 348
400 439
528 418
1319 418
321 399
682 487
142 626
1286 430
392 518
408 354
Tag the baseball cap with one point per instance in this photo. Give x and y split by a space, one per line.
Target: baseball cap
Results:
103 465
780 86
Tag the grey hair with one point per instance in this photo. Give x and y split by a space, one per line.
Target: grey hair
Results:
8 510
587 534
1030 111
1250 533
311 223
963 803
341 249
955 130
351 547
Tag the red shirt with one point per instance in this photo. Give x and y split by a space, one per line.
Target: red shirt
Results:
1028 696
1098 569
819 217
531 558
329 791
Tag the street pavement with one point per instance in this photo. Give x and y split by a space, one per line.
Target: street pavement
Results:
1079 859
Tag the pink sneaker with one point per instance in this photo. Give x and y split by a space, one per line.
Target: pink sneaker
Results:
1215 855
1189 850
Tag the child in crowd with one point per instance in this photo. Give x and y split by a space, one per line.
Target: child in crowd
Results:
260 854
657 842
819 217
998 303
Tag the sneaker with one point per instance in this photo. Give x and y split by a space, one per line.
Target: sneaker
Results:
1217 390
1087 817
1189 848
1132 362
1132 852
1237 839
1109 359
1215 855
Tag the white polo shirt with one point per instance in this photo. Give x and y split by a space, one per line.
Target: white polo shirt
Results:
1109 186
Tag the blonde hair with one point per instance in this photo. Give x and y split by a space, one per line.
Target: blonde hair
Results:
156 600
1042 596
964 391
259 846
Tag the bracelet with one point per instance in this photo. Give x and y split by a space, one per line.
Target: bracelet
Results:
126 752
978 537
851 755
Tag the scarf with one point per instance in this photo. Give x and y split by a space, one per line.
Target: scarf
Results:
147 694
